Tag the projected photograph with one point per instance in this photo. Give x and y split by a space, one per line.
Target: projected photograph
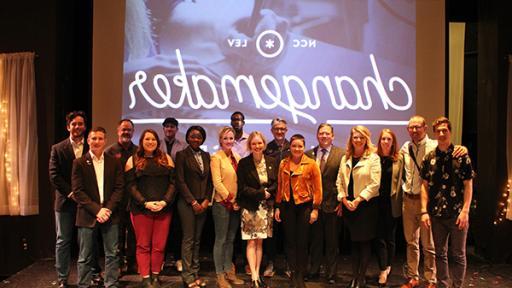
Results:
344 62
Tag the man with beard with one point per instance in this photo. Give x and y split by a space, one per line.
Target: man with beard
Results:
123 149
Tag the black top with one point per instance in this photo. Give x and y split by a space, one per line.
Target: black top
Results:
445 176
351 181
250 191
386 164
152 183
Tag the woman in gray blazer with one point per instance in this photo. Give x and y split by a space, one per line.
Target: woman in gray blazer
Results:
390 201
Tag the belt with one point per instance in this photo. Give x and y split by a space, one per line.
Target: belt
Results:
412 196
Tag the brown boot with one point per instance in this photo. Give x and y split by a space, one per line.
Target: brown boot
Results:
231 276
222 282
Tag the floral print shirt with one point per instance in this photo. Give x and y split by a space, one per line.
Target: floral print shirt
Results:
445 176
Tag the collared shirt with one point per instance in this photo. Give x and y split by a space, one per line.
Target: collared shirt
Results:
412 183
445 176
99 168
199 159
319 154
78 147
240 146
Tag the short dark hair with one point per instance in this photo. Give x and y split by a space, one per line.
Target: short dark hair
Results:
322 125
441 120
73 114
98 129
197 128
240 113
298 137
125 120
170 120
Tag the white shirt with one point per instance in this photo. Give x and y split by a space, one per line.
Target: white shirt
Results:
78 147
240 146
412 183
99 168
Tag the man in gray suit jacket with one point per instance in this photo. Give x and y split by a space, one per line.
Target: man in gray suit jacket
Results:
327 227
171 145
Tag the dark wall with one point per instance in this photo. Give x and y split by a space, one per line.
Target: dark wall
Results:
59 32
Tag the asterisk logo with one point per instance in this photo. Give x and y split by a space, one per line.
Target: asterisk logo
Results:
269 44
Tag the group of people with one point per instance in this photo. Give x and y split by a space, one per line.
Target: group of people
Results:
130 194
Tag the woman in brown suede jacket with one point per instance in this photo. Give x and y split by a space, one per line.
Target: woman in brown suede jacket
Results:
298 197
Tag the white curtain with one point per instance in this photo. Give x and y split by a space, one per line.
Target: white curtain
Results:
19 193
509 136
456 76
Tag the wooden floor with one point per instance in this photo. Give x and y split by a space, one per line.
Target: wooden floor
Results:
42 274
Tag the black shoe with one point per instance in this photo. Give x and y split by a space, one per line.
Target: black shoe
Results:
97 280
312 277
361 283
63 284
331 280
155 281
262 283
255 284
353 284
146 283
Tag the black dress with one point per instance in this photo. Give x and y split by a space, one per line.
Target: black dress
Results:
361 223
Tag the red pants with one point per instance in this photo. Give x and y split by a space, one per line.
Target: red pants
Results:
151 233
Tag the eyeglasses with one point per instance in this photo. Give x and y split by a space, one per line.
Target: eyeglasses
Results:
416 127
280 129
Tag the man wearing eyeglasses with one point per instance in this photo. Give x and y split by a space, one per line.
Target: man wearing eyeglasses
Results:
413 152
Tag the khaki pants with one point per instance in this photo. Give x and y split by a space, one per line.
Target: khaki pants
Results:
414 232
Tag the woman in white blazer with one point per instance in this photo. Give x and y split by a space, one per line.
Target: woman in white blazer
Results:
358 185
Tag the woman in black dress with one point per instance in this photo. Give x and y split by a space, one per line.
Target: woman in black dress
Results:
358 185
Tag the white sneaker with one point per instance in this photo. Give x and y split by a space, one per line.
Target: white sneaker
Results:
179 265
269 270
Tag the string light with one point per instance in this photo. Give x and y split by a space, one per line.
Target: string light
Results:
501 212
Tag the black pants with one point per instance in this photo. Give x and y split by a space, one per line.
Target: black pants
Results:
385 241
325 230
361 253
296 228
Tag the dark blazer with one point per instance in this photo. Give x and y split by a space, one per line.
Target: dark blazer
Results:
190 181
250 191
396 187
86 192
329 176
61 163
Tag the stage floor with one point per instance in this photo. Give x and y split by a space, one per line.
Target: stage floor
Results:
42 274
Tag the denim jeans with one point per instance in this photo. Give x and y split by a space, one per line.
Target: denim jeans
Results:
87 236
445 230
64 226
226 225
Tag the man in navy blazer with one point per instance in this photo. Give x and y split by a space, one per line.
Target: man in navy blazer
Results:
98 183
326 229
61 161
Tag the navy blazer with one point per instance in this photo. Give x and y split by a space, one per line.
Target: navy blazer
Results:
250 191
60 165
329 177
86 192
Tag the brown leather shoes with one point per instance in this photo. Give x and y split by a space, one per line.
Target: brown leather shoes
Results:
431 285
411 283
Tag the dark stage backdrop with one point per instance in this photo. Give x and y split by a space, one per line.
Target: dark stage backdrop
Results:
374 63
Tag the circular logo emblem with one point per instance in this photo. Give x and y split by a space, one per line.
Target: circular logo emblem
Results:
269 43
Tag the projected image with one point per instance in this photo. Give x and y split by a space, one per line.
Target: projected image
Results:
345 62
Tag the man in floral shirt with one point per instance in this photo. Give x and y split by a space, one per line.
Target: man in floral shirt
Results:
446 194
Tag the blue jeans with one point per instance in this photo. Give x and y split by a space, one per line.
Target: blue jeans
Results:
226 225
87 236
64 226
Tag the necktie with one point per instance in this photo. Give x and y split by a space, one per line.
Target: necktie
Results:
323 160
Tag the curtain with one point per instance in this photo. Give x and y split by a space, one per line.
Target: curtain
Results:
456 76
509 137
19 193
